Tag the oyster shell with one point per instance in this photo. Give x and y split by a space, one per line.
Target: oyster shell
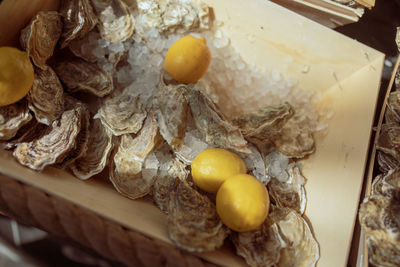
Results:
98 150
40 37
255 164
126 170
55 143
379 219
263 125
389 140
116 23
78 19
290 192
169 170
392 114
296 139
193 222
46 97
123 113
260 247
27 133
170 110
276 165
83 47
386 162
192 145
213 126
79 75
387 185
12 118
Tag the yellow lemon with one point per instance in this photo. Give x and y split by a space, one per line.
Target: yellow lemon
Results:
213 166
187 59
16 75
242 203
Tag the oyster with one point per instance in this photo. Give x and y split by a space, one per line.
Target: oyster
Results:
98 150
116 23
379 219
290 192
255 164
170 110
389 140
84 47
260 247
12 118
169 170
78 19
301 248
46 97
79 75
193 144
193 222
27 133
296 140
392 114
386 162
123 113
55 143
40 37
263 125
276 165
387 185
213 126
126 170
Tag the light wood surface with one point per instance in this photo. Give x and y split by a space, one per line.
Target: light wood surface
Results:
344 72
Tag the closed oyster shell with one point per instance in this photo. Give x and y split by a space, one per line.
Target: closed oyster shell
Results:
170 110
264 124
379 219
79 75
40 37
193 222
27 133
213 126
12 118
290 192
83 47
126 170
260 247
97 153
78 19
387 185
296 139
46 97
116 23
389 140
386 162
55 143
169 170
123 113
300 247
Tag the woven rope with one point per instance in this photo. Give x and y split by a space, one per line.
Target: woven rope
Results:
32 206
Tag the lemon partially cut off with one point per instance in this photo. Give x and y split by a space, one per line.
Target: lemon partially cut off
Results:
213 166
16 75
242 203
187 59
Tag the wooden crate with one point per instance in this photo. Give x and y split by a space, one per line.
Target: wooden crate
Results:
345 74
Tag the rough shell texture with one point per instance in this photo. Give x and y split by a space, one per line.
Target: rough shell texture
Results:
40 37
169 170
386 162
84 47
263 125
392 114
290 192
122 113
255 164
193 222
55 143
116 22
260 247
192 145
12 118
296 140
79 75
213 126
46 97
126 170
78 19
27 133
389 140
97 153
170 109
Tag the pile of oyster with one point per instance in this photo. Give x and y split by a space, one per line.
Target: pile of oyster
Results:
379 212
80 117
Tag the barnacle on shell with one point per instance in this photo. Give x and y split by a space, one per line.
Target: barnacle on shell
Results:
78 19
46 97
193 222
12 118
79 75
40 37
